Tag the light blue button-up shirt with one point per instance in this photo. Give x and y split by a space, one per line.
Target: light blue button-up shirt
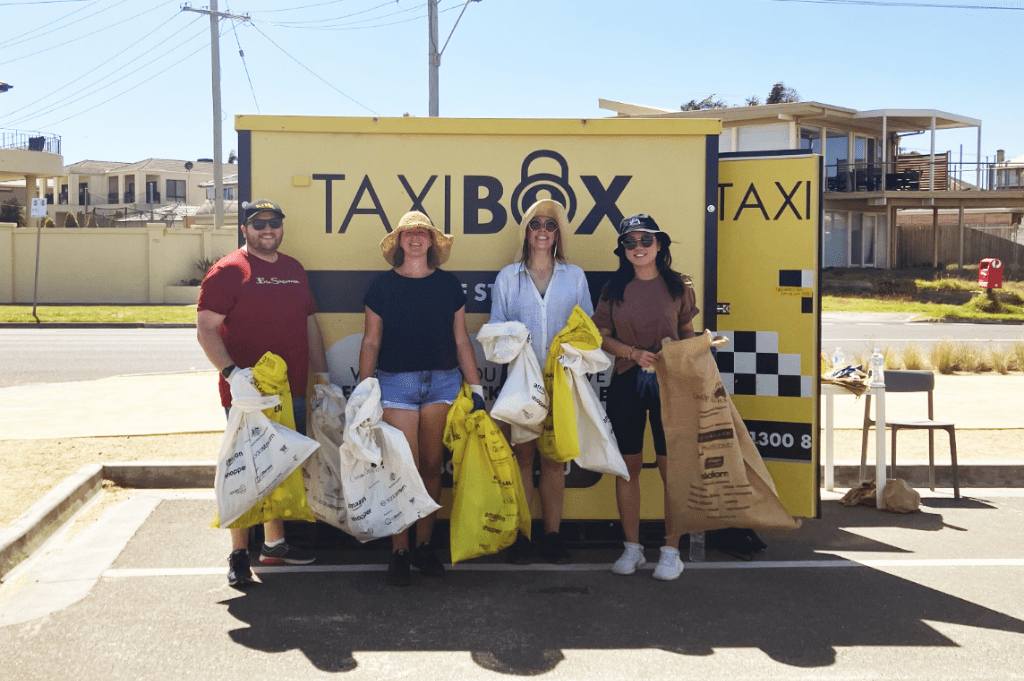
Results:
515 298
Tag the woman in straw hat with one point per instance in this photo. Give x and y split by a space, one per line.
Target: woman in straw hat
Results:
644 302
416 344
540 290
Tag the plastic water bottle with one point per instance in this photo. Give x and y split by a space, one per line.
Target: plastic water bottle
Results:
877 368
696 547
838 359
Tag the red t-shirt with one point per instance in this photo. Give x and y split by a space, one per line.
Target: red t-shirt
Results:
266 306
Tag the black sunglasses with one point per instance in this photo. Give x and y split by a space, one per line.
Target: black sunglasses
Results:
550 225
260 225
647 240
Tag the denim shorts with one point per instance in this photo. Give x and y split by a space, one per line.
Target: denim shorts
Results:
415 389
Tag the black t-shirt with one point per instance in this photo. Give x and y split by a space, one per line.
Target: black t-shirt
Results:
419 317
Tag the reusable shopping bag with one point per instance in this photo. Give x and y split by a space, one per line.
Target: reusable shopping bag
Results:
366 482
258 477
716 477
523 401
489 509
599 451
560 439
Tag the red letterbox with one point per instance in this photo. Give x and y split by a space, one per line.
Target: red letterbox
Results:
990 273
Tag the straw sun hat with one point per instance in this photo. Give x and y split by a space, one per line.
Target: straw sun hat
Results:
413 219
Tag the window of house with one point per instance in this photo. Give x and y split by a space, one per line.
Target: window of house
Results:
810 139
112 196
83 194
229 193
175 190
837 151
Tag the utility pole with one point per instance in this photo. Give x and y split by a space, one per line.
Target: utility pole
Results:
218 170
434 54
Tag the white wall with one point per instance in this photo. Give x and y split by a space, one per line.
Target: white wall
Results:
123 265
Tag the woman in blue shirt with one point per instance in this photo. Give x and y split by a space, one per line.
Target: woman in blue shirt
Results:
540 290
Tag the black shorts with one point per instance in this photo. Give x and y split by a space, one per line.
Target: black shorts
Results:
628 412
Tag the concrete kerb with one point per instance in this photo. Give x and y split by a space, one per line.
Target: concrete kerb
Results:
27 532
32 528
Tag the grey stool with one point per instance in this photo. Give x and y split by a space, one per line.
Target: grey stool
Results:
912 382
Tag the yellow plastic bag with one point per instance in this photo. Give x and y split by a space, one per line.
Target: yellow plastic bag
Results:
288 500
560 439
489 507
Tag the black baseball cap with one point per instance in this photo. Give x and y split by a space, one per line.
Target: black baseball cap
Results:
252 208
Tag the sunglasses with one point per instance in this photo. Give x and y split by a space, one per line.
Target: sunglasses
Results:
550 225
647 240
260 225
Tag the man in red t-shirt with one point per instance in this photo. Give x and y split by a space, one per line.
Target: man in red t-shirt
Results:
256 300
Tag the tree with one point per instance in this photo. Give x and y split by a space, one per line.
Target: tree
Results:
11 211
780 94
232 157
753 100
708 102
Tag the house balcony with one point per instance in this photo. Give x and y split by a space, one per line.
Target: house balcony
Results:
915 181
28 154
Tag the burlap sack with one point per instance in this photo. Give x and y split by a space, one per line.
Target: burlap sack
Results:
716 478
898 496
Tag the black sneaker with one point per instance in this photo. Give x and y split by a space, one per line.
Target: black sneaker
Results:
282 553
553 550
425 558
238 568
521 553
398 571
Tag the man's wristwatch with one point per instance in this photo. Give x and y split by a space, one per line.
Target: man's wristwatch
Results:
226 371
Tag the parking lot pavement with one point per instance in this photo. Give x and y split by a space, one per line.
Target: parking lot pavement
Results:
134 590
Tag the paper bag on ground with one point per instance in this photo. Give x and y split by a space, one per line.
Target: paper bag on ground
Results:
523 402
489 508
716 477
378 491
258 477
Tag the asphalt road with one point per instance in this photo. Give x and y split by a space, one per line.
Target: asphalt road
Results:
859 333
31 355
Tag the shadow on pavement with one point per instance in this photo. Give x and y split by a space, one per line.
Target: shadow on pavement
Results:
519 623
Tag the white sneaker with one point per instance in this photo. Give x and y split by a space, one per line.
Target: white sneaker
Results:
631 559
670 565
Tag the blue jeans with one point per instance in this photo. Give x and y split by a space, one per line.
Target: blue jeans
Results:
415 389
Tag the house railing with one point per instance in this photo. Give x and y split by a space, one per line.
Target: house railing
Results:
912 173
30 141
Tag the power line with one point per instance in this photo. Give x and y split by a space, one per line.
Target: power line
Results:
56 28
314 73
201 47
38 2
48 24
138 70
55 92
234 29
81 37
928 5
354 25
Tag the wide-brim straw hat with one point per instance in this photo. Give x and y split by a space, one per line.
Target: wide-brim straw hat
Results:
548 207
411 220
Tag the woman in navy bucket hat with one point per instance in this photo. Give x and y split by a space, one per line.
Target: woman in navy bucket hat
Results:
644 302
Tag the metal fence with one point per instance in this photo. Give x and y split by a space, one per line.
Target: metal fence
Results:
31 141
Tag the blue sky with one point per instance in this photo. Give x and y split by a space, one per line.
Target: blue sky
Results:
506 59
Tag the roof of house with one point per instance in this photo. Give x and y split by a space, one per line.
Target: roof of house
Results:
154 165
812 113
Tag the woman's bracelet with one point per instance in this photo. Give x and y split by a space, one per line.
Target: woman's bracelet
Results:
629 355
